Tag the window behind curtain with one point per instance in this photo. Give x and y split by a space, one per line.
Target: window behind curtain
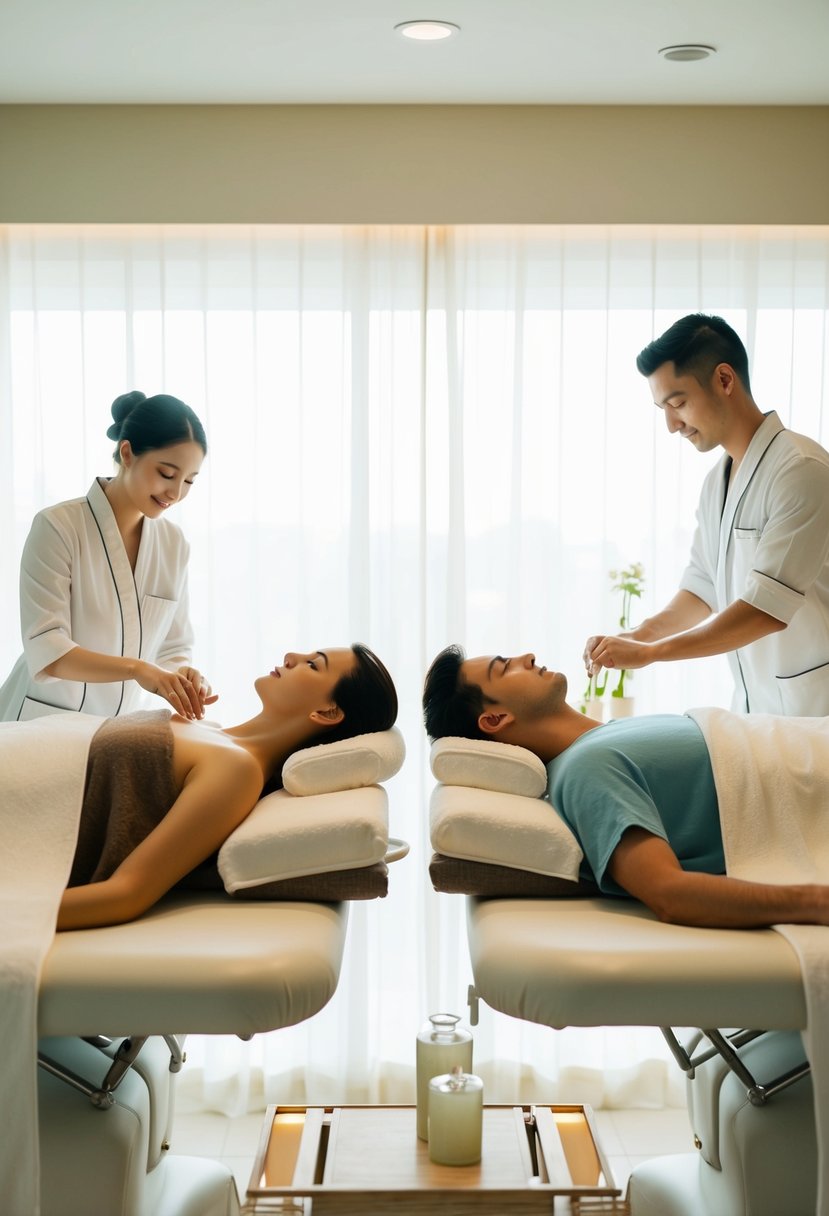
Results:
417 435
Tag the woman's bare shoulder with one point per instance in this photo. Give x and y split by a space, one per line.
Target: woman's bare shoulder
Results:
209 750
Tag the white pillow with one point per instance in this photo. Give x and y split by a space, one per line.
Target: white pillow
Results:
348 764
487 765
288 837
502 829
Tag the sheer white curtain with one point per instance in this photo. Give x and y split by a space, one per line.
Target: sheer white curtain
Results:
417 435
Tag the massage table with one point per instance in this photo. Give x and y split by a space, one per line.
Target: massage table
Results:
197 964
252 942
550 950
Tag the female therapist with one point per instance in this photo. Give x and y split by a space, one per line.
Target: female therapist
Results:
103 580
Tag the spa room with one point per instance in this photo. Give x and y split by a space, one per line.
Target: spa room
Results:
400 260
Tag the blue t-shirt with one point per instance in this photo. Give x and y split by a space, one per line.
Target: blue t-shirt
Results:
652 772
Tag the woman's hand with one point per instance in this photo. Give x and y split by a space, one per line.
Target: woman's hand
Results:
202 686
182 692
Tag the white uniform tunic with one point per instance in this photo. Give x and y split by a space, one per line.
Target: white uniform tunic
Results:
77 589
766 541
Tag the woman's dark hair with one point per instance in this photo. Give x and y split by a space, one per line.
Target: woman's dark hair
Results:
696 344
366 696
150 423
451 706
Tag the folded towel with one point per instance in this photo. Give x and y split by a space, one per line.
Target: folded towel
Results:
42 770
772 780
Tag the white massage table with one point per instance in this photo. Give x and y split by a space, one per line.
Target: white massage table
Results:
601 962
578 960
201 964
604 962
114 1004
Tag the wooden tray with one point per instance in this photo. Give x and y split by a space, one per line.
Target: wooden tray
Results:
364 1160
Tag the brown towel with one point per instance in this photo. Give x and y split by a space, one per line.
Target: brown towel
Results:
129 789
454 876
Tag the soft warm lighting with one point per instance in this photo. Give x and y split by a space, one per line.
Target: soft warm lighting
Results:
283 1148
687 52
427 31
579 1147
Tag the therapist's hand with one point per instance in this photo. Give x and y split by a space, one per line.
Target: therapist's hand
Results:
202 686
173 686
616 653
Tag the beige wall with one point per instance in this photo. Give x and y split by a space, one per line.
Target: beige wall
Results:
436 164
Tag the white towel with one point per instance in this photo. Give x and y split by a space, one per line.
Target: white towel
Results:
772 780
42 771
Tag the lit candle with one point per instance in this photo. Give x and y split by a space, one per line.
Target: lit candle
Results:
456 1113
441 1044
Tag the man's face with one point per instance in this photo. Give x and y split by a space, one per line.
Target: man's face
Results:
517 684
700 413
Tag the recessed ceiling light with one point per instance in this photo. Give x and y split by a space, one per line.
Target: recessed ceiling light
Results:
687 52
427 31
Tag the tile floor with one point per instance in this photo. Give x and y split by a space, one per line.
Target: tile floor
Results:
627 1136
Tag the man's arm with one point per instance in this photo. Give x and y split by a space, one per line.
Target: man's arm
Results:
738 625
647 868
683 612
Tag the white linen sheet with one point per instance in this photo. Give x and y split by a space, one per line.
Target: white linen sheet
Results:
772 780
42 773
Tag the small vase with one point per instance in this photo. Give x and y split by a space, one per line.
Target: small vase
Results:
620 707
593 708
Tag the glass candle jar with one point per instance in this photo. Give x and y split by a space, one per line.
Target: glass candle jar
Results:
441 1044
456 1116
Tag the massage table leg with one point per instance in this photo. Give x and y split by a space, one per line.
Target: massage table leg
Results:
752 1160
116 1160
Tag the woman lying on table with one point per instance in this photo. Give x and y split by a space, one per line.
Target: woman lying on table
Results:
213 777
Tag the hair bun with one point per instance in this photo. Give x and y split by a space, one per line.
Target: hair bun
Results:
121 409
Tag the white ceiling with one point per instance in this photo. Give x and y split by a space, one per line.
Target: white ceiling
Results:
508 51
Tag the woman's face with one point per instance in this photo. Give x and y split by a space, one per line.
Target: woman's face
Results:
305 683
157 479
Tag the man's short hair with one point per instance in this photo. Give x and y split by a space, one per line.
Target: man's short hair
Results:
696 344
451 706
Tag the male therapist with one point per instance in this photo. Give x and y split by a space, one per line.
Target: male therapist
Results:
757 584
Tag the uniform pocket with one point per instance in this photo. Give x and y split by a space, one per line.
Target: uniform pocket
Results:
805 695
156 618
743 550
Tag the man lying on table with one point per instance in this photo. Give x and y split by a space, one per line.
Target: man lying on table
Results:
638 793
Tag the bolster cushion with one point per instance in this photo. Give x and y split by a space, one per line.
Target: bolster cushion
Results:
288 837
348 764
507 829
482 764
488 812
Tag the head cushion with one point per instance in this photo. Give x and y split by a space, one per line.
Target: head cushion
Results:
347 764
486 765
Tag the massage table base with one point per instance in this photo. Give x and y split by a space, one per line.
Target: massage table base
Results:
117 1160
757 1159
